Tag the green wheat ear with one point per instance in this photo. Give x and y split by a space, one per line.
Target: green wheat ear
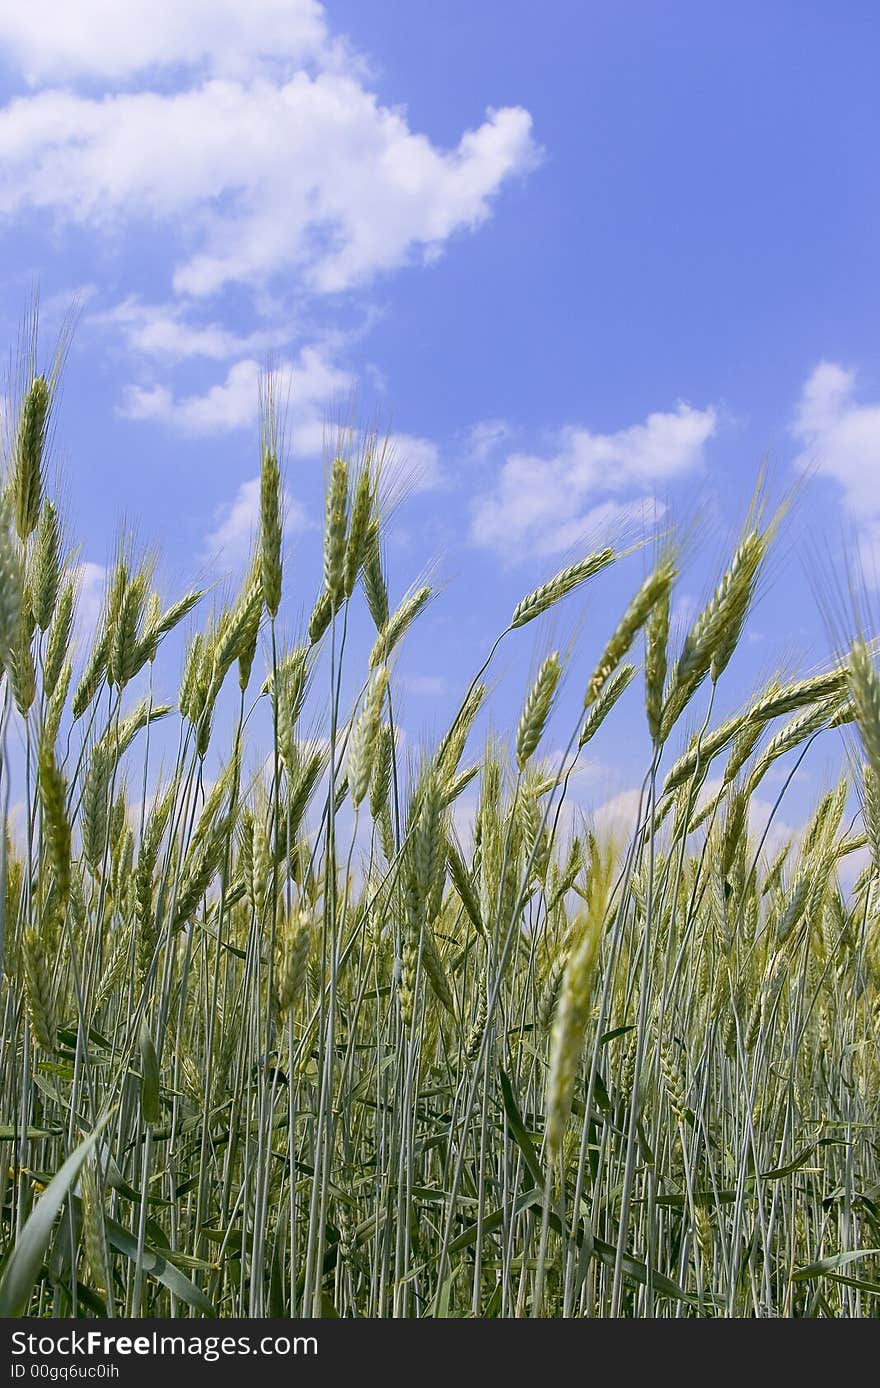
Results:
397 626
366 736
558 587
46 566
537 709
335 527
270 532
359 537
528 1038
653 592
30 443
863 685
569 1031
10 584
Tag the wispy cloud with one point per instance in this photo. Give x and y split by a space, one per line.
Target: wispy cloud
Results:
414 462
228 544
545 503
484 438
425 686
91 579
164 331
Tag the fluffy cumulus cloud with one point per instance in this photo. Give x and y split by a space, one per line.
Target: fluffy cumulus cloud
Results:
768 825
105 39
273 168
840 437
250 138
306 389
546 503
310 391
618 818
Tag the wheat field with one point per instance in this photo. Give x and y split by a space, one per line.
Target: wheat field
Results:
283 1034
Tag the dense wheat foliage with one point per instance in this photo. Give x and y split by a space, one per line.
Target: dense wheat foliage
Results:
281 1036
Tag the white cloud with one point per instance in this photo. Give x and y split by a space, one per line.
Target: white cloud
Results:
91 579
229 542
547 503
308 175
484 438
163 331
586 775
18 823
236 526
306 388
107 39
414 462
232 405
840 437
425 686
246 141
765 821
618 817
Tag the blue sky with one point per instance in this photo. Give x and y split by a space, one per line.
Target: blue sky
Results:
584 260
